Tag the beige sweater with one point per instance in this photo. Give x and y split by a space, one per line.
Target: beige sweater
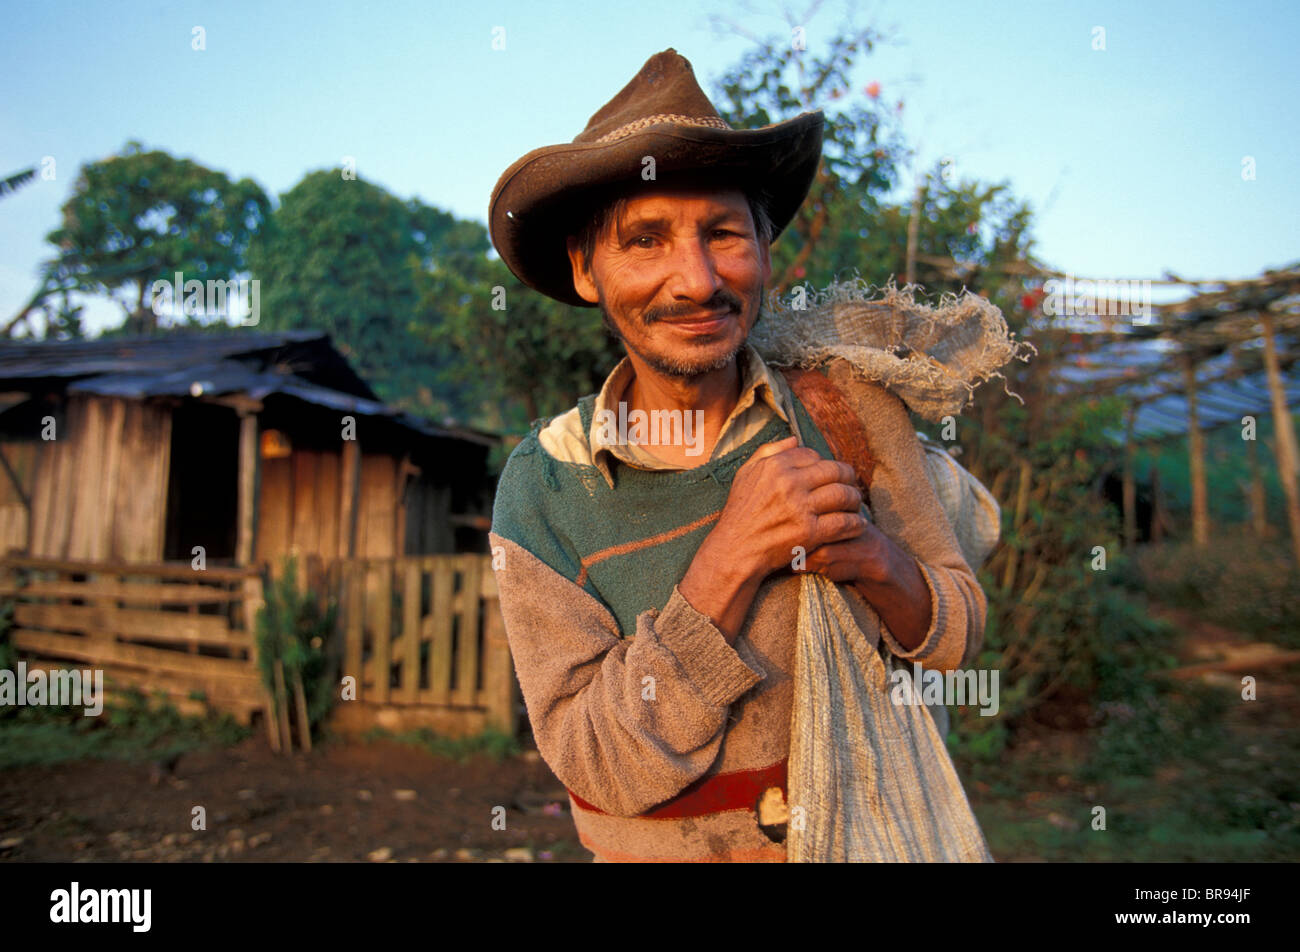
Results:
666 736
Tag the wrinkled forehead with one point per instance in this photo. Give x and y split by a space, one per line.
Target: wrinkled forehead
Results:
693 199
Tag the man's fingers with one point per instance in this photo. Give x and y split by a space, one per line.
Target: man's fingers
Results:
823 471
835 497
838 527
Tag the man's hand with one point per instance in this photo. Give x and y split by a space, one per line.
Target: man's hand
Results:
784 496
887 577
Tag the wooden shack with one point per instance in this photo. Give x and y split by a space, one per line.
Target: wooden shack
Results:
147 482
138 450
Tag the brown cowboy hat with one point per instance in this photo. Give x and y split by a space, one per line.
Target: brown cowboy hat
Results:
544 196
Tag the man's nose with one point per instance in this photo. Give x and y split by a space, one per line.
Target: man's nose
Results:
694 271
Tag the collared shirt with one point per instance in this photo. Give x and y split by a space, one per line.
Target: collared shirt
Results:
762 395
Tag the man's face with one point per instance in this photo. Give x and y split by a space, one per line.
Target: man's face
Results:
680 278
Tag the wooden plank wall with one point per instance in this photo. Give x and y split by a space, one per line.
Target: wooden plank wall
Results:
101 485
22 456
300 504
162 627
427 632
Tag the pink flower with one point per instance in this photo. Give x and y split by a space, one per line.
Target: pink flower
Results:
872 89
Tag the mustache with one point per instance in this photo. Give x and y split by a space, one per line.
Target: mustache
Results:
723 298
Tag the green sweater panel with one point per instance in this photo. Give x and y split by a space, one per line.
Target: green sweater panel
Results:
564 513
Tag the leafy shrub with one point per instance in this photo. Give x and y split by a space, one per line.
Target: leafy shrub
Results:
295 626
1238 581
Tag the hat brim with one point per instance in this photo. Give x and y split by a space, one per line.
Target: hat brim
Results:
542 198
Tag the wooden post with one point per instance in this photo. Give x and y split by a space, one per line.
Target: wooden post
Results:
349 498
304 722
245 546
442 607
467 651
249 464
414 576
381 620
913 233
1130 487
1284 444
353 577
1196 453
282 704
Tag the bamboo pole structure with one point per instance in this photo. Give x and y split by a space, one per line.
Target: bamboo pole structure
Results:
913 234
1284 444
1196 454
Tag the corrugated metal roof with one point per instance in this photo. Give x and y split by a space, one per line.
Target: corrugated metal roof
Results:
1154 371
80 358
293 364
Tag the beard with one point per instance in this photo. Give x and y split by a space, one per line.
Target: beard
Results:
683 368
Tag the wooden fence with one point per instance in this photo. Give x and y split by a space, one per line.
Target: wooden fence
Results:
421 637
424 640
157 627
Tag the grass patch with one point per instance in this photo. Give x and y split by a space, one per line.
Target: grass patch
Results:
491 743
1240 582
137 728
1180 779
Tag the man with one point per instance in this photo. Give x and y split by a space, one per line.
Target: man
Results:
650 591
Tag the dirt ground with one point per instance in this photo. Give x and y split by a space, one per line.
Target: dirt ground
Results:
342 803
389 802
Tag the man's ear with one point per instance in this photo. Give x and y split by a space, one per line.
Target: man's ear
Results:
582 282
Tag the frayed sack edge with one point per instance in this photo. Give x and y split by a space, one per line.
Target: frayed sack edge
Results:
895 341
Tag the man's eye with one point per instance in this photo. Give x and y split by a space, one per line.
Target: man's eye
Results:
723 233
641 240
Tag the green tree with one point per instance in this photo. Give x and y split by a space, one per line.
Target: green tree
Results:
344 256
522 354
860 151
140 217
12 183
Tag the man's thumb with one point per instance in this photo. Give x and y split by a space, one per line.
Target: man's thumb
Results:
777 446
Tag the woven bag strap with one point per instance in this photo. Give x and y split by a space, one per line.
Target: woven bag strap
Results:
844 432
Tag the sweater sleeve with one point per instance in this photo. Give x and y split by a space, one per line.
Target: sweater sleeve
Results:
625 723
905 508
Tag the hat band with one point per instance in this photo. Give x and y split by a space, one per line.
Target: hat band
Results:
622 132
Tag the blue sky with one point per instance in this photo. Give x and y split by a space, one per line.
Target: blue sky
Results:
1131 156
